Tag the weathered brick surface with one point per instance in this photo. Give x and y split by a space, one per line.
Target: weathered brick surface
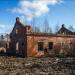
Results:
27 41
32 43
37 66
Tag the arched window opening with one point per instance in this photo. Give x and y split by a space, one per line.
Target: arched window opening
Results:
7 45
17 47
17 31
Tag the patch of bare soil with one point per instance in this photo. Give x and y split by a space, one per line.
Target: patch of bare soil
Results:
37 66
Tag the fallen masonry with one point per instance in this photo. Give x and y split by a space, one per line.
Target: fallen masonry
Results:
37 66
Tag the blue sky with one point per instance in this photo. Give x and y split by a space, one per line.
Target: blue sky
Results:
57 12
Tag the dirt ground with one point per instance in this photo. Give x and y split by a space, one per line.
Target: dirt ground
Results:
37 66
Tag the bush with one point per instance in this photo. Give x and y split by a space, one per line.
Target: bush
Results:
62 55
2 52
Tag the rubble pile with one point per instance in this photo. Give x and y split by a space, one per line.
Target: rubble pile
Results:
37 66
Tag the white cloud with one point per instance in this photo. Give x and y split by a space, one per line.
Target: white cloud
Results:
74 27
5 28
2 26
34 7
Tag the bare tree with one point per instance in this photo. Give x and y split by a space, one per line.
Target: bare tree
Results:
46 26
50 30
37 29
56 28
33 22
7 37
2 37
71 28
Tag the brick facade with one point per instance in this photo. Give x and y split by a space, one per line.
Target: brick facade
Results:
26 43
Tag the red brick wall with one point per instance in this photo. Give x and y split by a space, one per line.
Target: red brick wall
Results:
32 42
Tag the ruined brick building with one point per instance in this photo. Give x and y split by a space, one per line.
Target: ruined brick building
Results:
26 43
